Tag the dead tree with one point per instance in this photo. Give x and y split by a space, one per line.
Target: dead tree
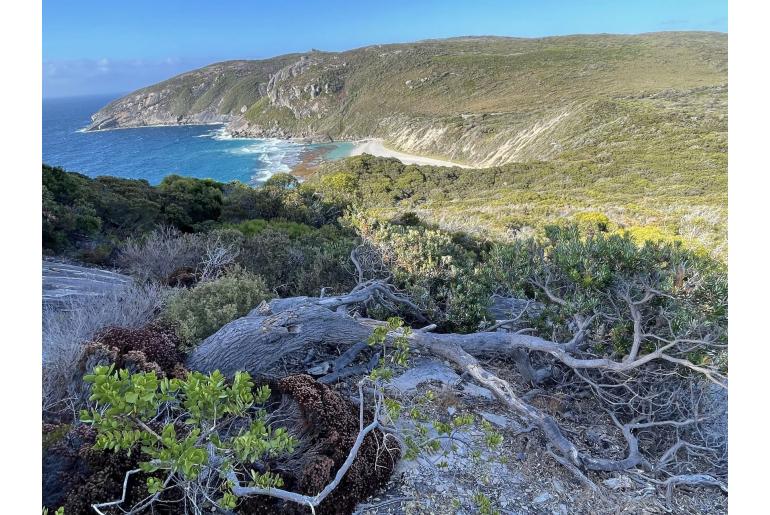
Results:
655 390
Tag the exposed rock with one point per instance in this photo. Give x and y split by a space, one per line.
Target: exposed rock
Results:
618 483
64 283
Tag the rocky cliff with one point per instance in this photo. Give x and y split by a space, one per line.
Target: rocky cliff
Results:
483 101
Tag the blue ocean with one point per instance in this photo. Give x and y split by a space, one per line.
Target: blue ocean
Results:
151 153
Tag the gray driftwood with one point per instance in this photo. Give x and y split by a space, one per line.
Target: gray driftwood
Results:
273 338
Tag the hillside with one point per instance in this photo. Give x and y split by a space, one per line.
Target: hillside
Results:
518 200
483 101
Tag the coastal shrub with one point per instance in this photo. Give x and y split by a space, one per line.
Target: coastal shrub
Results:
156 256
65 225
651 233
594 273
438 271
242 202
185 440
339 185
280 182
107 220
187 202
280 197
68 327
200 311
592 221
296 259
291 229
518 200
126 206
82 215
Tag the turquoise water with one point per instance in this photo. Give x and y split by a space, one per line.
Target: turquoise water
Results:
151 153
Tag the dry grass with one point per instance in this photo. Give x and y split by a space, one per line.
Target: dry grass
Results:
67 328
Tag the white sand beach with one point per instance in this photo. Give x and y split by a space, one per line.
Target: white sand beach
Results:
376 147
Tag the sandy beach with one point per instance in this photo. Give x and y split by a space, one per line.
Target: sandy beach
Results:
376 147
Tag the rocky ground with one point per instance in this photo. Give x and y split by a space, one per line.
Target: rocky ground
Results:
63 282
520 477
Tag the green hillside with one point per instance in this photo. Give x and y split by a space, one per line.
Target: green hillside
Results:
482 101
631 127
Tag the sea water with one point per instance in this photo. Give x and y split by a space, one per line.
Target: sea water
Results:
151 153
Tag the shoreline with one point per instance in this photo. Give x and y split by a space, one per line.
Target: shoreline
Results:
372 146
376 147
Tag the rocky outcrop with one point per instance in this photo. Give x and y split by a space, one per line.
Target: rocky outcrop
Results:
218 93
64 283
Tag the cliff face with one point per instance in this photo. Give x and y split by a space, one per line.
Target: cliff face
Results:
218 93
483 101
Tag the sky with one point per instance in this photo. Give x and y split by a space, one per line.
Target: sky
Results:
104 47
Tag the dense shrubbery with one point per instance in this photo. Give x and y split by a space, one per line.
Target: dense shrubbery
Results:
604 274
438 270
296 259
288 234
199 312
453 277
241 246
89 215
186 202
90 218
520 199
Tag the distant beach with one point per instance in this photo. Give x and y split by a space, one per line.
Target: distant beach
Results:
376 147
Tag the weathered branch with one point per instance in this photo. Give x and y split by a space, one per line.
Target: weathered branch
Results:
306 500
691 480
362 369
288 327
122 497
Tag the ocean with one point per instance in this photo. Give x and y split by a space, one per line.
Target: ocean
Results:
151 153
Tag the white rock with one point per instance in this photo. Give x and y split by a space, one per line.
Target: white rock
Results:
618 483
498 420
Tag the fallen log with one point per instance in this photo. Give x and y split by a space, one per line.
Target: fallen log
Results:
272 339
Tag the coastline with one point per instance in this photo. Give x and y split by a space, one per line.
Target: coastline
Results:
376 147
372 146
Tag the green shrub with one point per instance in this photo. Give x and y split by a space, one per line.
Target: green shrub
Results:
437 269
187 202
591 274
651 233
292 229
593 221
189 440
199 312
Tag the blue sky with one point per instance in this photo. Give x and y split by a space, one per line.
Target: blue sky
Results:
101 46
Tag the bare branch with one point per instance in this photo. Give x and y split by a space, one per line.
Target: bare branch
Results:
306 500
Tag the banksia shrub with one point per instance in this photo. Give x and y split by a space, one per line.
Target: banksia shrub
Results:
145 348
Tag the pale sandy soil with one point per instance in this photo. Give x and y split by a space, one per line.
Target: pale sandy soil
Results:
376 147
